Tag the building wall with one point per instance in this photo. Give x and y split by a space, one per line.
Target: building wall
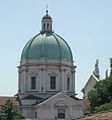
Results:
89 86
28 111
42 70
43 73
73 109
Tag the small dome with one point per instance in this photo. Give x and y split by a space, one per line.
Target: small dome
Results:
47 16
47 45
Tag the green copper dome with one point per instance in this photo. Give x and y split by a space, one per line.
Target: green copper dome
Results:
47 45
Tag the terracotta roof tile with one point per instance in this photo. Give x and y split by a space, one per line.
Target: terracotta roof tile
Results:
4 99
107 115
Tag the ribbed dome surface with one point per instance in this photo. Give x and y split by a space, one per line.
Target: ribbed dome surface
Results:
46 17
47 45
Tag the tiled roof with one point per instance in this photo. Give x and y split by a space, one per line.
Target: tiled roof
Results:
47 119
32 97
107 115
4 99
90 78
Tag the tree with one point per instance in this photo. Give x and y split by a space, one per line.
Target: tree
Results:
7 112
103 107
94 100
102 95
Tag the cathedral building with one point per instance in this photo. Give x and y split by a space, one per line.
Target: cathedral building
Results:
47 77
46 87
91 82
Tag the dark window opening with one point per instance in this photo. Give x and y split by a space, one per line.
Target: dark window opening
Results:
53 82
68 83
51 26
35 114
33 83
44 26
47 26
61 113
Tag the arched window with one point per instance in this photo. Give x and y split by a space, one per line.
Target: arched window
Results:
33 82
35 114
44 26
61 113
51 26
47 26
68 83
52 82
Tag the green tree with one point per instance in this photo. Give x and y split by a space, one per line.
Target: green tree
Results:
94 100
103 107
102 95
7 112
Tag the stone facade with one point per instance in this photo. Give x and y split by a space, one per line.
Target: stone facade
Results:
62 70
50 108
89 86
46 82
46 87
44 102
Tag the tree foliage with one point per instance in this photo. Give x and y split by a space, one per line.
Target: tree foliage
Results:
7 112
103 107
102 95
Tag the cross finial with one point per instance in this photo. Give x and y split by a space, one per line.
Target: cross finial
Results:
46 9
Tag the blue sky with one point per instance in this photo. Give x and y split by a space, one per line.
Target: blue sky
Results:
86 25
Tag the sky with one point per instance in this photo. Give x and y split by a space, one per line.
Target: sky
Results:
86 25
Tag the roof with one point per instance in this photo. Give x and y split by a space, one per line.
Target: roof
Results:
32 97
47 17
60 94
92 76
47 45
4 99
107 115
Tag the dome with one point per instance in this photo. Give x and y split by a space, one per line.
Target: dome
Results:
47 16
47 45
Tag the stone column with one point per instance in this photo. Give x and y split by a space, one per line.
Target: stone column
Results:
60 76
44 80
40 77
41 80
73 80
23 79
19 80
63 79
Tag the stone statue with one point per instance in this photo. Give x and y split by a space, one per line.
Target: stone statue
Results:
110 66
106 74
96 71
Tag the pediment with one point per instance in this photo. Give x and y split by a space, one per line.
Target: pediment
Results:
61 104
60 100
91 78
